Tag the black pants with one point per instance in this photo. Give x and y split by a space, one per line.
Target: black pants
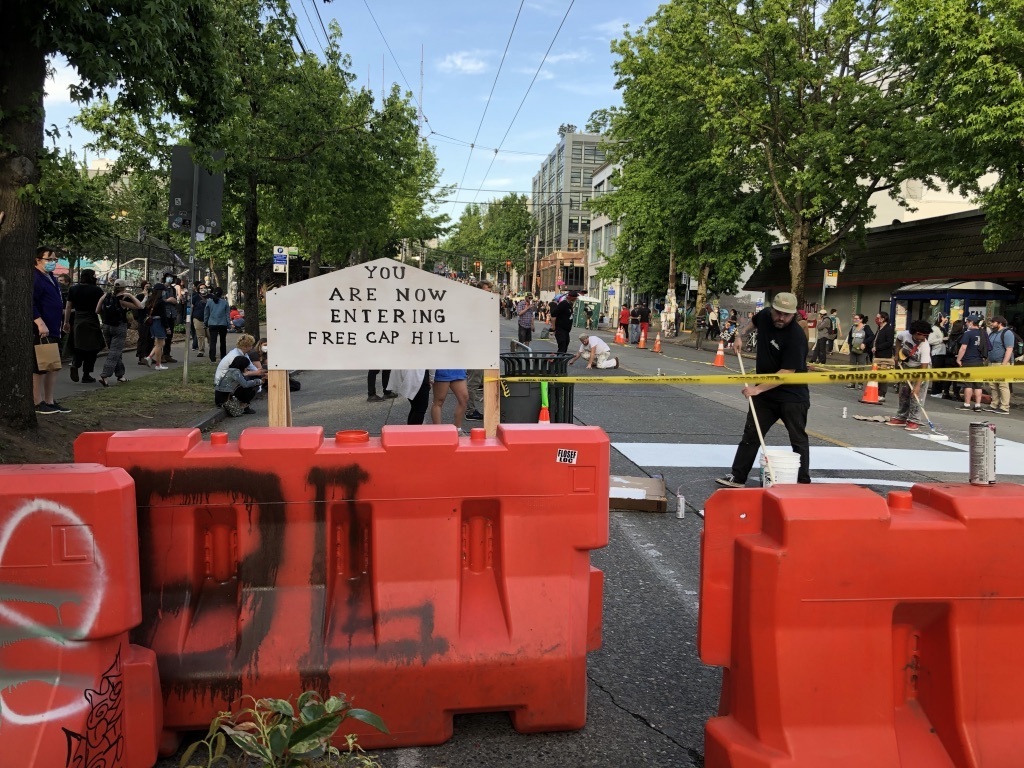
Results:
169 327
371 381
418 405
793 417
820 351
525 334
245 394
941 361
85 359
562 339
217 332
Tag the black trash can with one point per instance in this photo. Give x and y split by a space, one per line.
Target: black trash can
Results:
520 401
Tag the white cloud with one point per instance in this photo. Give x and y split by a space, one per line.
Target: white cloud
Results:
568 56
610 29
545 9
64 76
463 63
541 76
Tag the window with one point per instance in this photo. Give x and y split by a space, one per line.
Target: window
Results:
575 177
589 153
574 225
599 155
574 200
588 178
577 152
584 224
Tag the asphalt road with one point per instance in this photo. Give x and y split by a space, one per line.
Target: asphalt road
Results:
649 694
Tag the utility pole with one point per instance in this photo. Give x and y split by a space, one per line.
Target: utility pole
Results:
536 251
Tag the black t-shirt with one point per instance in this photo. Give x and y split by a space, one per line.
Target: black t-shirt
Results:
84 297
778 349
645 315
563 315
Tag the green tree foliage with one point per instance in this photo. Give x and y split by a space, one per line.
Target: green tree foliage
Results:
675 195
165 52
798 100
74 209
495 233
970 60
808 99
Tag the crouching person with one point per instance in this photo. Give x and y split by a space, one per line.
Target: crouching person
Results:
597 352
236 390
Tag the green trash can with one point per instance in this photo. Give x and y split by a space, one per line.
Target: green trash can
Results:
520 401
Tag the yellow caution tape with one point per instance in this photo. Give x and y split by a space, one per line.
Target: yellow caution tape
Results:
983 374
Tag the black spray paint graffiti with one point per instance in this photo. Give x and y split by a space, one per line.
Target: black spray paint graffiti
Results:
188 675
101 744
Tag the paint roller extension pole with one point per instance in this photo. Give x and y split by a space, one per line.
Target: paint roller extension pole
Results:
757 424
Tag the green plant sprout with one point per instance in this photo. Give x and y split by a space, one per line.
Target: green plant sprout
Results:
279 735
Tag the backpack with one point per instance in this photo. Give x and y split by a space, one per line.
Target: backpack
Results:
111 311
1017 344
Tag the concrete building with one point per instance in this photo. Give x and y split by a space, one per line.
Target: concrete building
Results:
558 201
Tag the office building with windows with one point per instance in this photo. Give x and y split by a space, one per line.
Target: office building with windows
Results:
560 192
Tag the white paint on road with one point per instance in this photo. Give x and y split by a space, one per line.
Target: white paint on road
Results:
945 457
649 553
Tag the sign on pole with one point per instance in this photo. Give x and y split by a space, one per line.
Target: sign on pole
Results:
831 278
381 315
194 188
280 259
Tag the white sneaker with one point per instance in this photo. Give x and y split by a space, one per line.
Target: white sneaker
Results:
160 368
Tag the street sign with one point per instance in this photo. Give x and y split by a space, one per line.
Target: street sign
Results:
280 259
831 278
382 314
186 177
611 291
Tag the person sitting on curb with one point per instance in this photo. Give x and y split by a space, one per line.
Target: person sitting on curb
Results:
243 347
236 384
599 354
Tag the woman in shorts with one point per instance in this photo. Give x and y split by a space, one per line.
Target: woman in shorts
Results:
450 380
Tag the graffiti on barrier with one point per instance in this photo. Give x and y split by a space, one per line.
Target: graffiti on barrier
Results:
22 623
101 744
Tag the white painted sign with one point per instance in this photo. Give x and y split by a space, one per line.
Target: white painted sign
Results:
381 315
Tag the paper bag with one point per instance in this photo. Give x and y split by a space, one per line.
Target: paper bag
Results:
48 357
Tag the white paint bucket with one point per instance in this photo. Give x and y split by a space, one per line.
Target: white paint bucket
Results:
785 466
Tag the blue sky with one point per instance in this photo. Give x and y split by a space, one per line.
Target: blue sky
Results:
463 44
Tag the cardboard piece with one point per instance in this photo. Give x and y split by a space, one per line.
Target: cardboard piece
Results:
637 494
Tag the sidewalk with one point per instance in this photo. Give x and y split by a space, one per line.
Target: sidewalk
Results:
66 389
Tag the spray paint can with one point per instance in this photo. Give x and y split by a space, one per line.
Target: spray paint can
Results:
844 411
981 443
659 371
680 503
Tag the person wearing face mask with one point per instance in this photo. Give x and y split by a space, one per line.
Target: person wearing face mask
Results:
199 296
47 313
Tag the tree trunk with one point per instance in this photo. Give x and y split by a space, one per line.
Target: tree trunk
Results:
670 300
314 263
702 288
21 139
250 280
798 248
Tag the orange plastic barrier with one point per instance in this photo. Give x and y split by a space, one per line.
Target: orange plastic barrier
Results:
856 630
420 573
73 690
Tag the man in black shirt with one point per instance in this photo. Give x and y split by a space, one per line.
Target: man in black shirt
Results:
562 317
781 348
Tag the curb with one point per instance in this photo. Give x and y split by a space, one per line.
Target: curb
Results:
210 420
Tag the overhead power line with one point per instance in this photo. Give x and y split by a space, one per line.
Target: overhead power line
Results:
489 95
394 59
327 37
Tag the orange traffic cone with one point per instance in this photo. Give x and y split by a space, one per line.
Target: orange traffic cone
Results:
871 390
620 337
720 356
643 340
657 343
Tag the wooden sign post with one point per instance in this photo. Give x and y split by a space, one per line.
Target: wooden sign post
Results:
380 315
